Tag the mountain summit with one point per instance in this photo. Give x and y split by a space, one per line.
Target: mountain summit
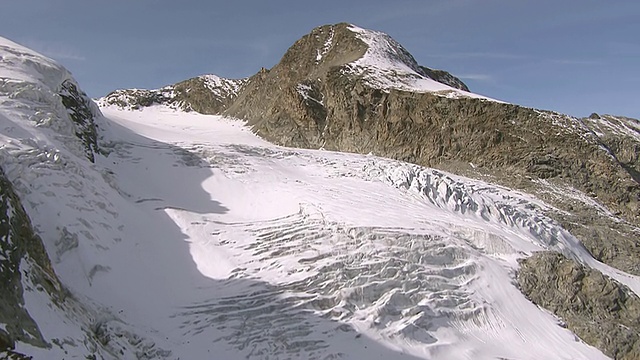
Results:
304 91
375 56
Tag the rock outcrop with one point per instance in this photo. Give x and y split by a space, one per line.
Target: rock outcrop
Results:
444 77
82 112
599 310
20 248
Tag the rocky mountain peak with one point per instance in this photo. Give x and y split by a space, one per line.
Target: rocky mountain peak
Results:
324 47
374 55
328 51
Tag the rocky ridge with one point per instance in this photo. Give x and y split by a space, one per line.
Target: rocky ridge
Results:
19 243
444 77
207 94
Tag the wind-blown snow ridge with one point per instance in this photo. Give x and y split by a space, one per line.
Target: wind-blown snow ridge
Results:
387 65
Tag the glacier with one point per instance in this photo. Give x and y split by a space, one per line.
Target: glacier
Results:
190 237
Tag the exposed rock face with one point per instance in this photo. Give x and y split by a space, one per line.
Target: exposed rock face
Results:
602 312
621 135
445 78
18 244
82 112
294 110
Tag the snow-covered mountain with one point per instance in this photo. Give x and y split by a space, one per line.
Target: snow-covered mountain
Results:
147 230
345 88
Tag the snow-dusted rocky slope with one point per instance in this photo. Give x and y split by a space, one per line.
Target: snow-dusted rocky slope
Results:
189 237
204 94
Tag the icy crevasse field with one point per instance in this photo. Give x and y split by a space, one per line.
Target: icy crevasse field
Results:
191 238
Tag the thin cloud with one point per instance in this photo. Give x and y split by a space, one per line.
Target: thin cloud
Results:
55 51
479 55
476 77
618 48
575 62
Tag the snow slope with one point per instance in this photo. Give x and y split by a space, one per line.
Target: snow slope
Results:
45 160
388 65
191 238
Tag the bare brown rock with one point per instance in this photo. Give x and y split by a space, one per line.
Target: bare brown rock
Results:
599 310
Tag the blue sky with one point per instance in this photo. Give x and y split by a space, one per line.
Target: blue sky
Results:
571 56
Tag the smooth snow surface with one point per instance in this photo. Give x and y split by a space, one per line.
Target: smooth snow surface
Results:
211 243
618 126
